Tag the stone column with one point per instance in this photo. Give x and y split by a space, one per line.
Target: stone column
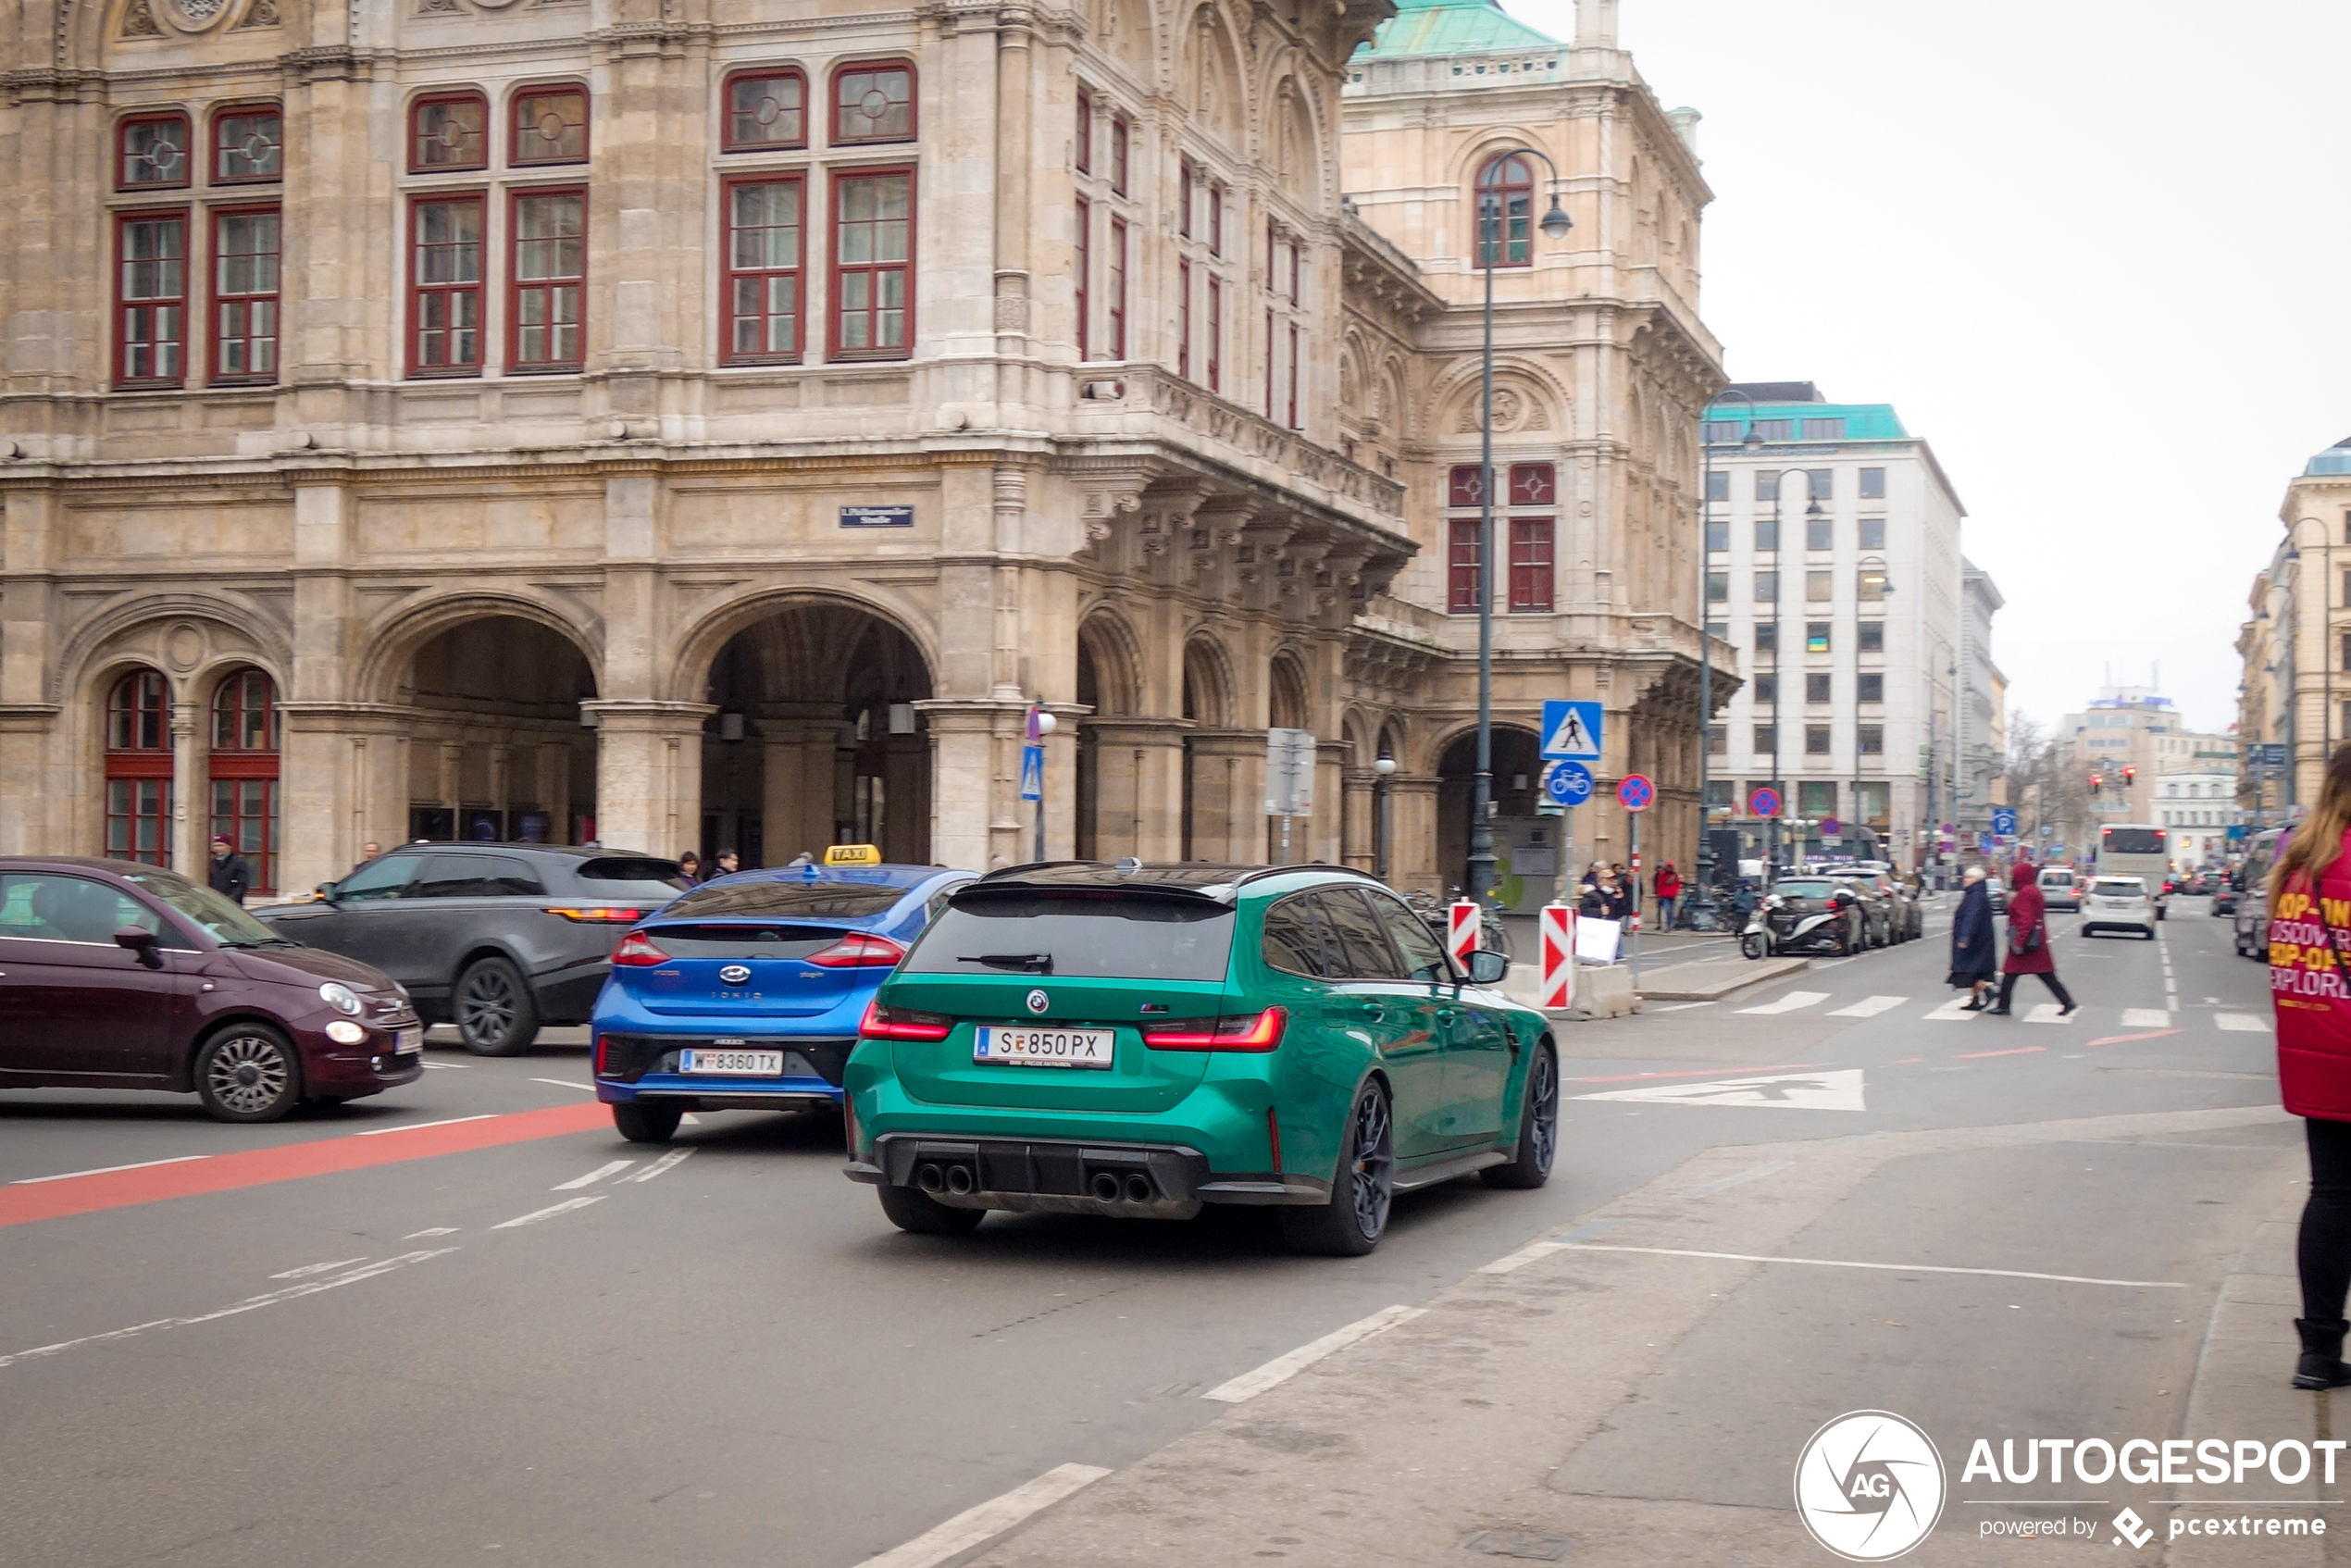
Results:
342 782
976 822
34 815
1330 805
1228 797
191 795
648 773
1411 854
1359 813
1138 787
798 803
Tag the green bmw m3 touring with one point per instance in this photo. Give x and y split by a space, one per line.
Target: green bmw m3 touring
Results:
1137 1040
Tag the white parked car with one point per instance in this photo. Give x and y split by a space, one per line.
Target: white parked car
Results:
2118 903
2061 890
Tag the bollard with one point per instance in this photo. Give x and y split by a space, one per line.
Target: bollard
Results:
1557 946
1462 930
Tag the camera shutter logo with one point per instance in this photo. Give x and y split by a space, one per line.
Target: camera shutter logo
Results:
735 975
1869 1485
1039 1001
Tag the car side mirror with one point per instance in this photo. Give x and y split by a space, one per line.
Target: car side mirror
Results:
1486 967
141 940
327 892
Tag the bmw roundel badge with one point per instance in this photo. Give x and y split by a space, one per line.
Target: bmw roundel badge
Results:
1039 1001
735 975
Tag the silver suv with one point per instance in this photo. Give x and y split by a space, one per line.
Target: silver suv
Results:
2059 889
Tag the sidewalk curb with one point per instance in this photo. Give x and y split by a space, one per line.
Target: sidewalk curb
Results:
1675 983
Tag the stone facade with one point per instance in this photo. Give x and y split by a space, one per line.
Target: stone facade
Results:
700 422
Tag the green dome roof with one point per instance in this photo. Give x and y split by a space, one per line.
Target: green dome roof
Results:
1452 27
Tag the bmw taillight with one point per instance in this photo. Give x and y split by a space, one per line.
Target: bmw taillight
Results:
1250 1031
859 949
899 1023
637 949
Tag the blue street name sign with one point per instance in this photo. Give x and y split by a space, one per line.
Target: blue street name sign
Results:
1568 783
1571 729
1032 773
878 516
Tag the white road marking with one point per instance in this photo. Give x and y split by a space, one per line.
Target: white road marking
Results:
1954 1012
1789 1003
308 1269
1839 1090
1523 1256
2146 1017
419 1126
690 1120
1870 1007
1281 1369
611 1168
105 1170
549 1213
2047 1012
567 1083
291 1292
1740 1178
669 1162
433 1230
992 1518
1675 1006
2242 1022
443 1066
1896 1268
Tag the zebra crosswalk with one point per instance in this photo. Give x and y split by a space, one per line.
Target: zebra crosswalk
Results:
1954 1009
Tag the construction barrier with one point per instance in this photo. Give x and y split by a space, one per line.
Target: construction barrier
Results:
1462 929
1557 949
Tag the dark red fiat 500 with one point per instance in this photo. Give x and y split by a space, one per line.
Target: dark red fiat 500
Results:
115 976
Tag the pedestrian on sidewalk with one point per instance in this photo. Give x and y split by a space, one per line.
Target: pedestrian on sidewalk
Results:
2028 942
1669 892
1973 961
689 868
2314 1057
229 876
1603 900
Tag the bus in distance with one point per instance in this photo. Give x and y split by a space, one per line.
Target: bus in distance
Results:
2141 850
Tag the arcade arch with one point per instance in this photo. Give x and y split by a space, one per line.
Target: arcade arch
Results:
498 745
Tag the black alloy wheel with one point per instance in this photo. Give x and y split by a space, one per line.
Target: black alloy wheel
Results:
1352 1221
248 1073
1539 1128
496 1013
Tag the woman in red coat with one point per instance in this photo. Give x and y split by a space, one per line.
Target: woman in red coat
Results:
2028 942
2309 935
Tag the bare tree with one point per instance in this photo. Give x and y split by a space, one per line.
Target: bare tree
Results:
2044 786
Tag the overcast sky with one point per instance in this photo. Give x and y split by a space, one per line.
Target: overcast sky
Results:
2092 251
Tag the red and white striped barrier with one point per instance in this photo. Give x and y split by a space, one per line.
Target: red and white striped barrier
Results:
1557 949
1462 930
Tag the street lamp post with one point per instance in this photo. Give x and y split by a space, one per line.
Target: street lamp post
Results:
1702 913
1490 219
1384 769
1779 645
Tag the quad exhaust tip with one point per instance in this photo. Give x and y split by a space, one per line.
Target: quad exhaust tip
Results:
959 1180
1106 1187
928 1179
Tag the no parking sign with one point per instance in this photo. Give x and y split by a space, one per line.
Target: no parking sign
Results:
1635 793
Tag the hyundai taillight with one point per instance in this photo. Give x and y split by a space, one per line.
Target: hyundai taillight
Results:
1250 1031
637 949
859 949
899 1023
599 915
603 1055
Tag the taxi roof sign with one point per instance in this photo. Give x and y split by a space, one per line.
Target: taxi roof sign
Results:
852 854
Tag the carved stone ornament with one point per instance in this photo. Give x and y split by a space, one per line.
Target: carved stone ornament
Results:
1514 410
140 22
262 13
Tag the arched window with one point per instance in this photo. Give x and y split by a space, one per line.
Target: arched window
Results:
243 769
139 768
1503 219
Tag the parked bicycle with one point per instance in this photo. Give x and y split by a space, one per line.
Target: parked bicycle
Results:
1437 914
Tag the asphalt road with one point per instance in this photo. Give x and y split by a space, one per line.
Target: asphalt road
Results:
513 1352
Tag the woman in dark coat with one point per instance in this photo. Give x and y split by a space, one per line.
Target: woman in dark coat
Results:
2029 941
1973 941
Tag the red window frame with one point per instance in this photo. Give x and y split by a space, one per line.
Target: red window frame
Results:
417 109
1115 296
1085 150
552 284
1118 137
1465 486
125 305
1272 250
1533 484
1293 377
733 274
1269 362
839 138
519 111
1184 197
1085 265
220 149
837 269
727 142
243 768
1216 219
1531 564
125 125
246 705
1294 248
138 771
1215 334
1184 319
138 705
1514 235
1460 567
420 291
264 318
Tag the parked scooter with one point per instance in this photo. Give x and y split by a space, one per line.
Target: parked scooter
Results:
1779 927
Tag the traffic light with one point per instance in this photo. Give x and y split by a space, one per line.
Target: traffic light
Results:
2128 774
2098 783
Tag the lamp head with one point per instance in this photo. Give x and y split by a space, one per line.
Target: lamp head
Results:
1384 766
1556 223
1754 441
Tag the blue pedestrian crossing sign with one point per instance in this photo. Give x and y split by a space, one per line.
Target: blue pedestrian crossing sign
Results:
1032 773
1571 729
2004 822
1568 784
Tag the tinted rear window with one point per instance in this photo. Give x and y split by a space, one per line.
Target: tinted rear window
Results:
1081 935
805 901
633 877
1802 890
2132 841
748 939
